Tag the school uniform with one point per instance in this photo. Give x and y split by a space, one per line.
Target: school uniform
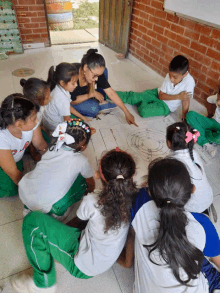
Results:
17 146
94 254
58 107
53 186
202 198
209 128
148 102
150 277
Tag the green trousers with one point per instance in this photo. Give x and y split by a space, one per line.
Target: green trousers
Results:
147 102
7 186
45 240
204 125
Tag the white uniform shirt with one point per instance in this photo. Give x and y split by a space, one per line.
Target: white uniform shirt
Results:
97 250
213 100
16 145
52 178
202 198
186 84
58 107
160 279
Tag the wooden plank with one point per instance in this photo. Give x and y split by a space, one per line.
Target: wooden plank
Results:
112 23
118 24
106 20
125 32
101 20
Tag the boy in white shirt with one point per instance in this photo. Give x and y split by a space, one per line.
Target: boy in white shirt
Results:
209 128
177 89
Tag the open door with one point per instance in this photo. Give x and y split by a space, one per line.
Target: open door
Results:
114 24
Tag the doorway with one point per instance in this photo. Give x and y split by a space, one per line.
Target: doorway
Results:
73 21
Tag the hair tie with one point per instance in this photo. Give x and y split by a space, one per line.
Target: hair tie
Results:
80 123
168 201
120 177
177 127
117 149
190 136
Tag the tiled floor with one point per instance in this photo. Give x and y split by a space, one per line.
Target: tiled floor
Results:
112 131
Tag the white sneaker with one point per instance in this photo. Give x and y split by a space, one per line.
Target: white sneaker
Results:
24 283
211 149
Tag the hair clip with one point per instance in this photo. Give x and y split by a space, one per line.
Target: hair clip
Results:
120 177
177 127
168 201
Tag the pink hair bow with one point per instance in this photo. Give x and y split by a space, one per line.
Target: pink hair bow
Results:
190 136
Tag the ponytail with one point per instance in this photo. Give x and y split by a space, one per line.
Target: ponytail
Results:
64 71
15 107
170 187
117 169
176 135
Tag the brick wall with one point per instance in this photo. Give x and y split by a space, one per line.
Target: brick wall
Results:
32 21
157 36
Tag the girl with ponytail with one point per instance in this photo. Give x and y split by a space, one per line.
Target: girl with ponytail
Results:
88 100
18 127
170 243
94 250
181 139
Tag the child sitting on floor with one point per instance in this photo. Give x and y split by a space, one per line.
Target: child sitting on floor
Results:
181 139
177 89
108 215
58 180
209 128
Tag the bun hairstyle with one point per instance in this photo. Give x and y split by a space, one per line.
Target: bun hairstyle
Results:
64 71
15 107
34 89
80 131
176 135
92 59
170 187
119 192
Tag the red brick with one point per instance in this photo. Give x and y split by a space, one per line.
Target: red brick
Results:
203 59
135 25
133 37
150 47
215 34
135 12
132 48
152 34
156 43
197 47
208 41
203 87
20 9
137 4
148 24
195 64
39 1
172 18
32 25
141 54
41 13
154 56
218 47
191 34
177 29
170 34
174 45
163 23
210 73
32 36
142 29
36 8
40 31
216 66
167 49
164 62
136 45
157 4
187 51
29 14
38 19
168 57
150 10
153 19
183 41
143 15
146 38
213 54
137 33
162 39
187 23
160 14
23 19
25 31
212 82
158 29
203 29
26 2
144 50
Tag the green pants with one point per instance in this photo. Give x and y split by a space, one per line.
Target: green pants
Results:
204 125
45 240
147 102
74 194
7 186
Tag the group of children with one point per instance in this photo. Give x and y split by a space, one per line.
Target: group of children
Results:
162 226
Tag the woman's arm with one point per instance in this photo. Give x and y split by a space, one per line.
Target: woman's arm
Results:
127 255
116 99
8 165
216 261
80 99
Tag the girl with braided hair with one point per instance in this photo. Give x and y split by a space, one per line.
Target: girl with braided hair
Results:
61 177
18 127
181 139
95 249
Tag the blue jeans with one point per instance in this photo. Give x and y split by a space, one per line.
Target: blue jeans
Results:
211 274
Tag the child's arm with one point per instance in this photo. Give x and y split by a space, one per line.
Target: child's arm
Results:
77 114
8 165
127 255
38 141
184 96
216 261
185 108
77 223
90 185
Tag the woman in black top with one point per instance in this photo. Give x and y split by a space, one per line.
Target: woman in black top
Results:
91 72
